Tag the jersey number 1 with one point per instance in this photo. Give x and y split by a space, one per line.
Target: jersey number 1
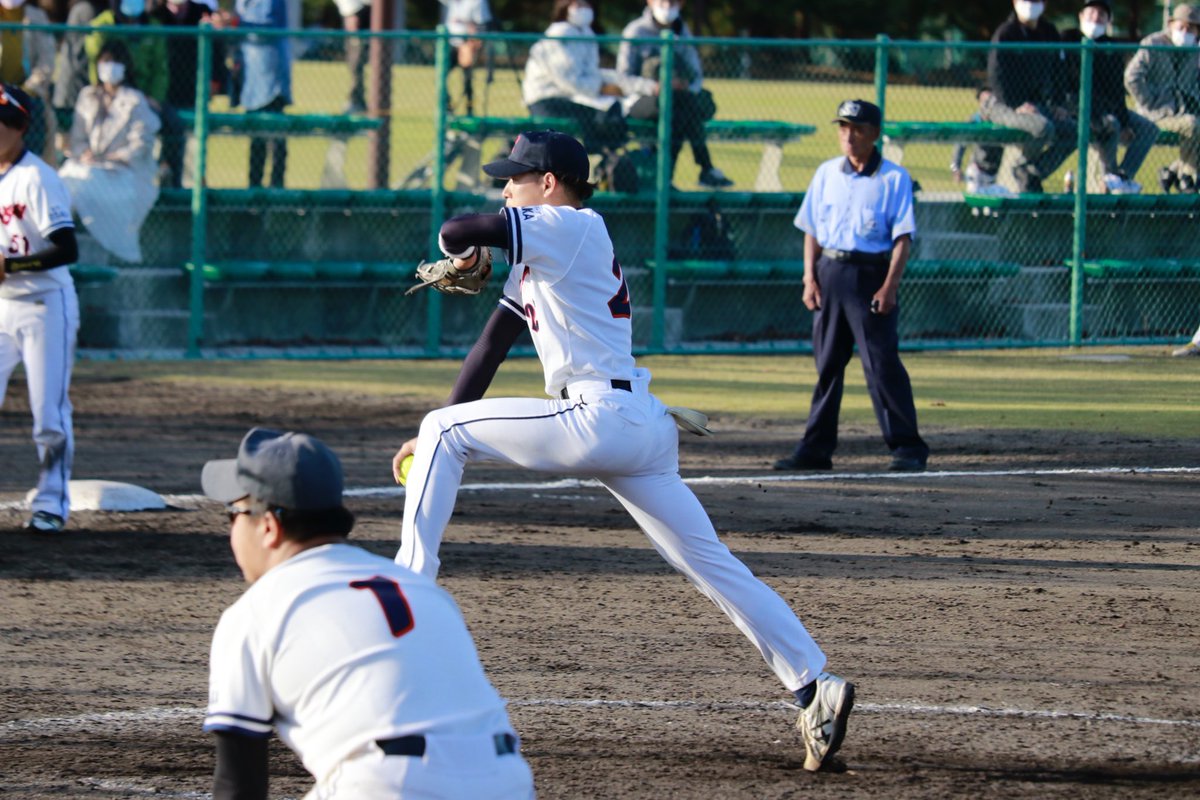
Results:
391 600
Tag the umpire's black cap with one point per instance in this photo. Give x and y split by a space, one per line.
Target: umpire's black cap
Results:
860 112
288 470
16 107
543 151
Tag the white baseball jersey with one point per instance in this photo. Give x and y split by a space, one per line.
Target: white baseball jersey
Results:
336 648
461 15
34 203
581 327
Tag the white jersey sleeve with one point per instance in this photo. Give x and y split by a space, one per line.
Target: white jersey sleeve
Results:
34 203
238 698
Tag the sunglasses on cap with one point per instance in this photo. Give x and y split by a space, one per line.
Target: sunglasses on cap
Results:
6 98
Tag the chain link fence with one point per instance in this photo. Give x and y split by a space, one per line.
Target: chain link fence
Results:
249 250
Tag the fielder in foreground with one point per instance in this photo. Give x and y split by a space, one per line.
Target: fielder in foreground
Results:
365 668
602 422
39 311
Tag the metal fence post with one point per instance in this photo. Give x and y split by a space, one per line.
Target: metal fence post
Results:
437 204
199 193
1083 132
881 72
662 192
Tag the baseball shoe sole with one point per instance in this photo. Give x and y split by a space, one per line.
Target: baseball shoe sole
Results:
823 723
45 522
1189 349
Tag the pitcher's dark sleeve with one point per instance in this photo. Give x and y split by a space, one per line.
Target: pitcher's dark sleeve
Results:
488 352
241 772
459 234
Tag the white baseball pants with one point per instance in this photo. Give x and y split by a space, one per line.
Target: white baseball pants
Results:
39 330
628 442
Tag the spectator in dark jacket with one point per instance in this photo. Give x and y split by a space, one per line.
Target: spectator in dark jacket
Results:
1028 93
181 79
1111 118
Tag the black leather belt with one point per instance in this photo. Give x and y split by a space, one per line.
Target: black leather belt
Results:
859 257
506 744
617 383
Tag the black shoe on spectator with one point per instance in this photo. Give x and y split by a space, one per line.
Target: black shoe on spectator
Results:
907 464
1187 184
1028 181
1167 179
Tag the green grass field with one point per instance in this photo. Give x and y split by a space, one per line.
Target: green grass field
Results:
1127 391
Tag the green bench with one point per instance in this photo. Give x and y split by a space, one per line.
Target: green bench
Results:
1139 269
989 205
338 128
92 274
896 135
793 269
472 132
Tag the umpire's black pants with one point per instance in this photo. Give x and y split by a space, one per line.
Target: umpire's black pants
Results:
843 321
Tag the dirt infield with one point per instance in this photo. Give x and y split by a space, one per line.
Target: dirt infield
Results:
1028 634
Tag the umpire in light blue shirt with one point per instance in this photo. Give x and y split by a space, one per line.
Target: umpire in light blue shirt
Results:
857 218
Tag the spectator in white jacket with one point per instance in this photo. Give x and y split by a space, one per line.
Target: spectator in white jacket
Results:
563 78
111 170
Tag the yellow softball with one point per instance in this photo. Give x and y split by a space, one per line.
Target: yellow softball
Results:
405 466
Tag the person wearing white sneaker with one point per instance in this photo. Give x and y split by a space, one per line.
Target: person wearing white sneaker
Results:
39 310
1111 120
1192 348
691 104
822 722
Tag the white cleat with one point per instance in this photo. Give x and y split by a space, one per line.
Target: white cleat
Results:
823 723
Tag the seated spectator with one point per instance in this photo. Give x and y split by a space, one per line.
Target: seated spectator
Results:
1165 85
980 175
691 104
181 80
564 79
1111 118
27 60
110 170
150 61
71 62
266 78
1028 93
463 18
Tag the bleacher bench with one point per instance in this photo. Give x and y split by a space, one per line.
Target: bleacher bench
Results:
773 135
898 134
792 269
338 128
990 205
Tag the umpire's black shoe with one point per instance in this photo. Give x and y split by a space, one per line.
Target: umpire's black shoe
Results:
907 464
803 462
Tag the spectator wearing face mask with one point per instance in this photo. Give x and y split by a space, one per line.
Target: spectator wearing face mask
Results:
691 104
1028 92
27 61
1165 84
1111 117
563 78
110 170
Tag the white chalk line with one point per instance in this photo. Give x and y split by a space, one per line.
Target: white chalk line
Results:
43 726
197 500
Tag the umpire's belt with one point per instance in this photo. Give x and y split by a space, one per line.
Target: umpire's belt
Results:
616 383
859 257
506 744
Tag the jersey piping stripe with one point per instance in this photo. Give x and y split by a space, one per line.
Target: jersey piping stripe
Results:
64 405
213 727
442 437
512 305
514 235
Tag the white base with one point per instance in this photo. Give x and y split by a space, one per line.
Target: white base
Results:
109 496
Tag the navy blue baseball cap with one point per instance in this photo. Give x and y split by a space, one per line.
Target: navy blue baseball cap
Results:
860 112
15 106
543 151
286 470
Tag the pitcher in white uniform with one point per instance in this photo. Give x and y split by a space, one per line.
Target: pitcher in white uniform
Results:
365 668
567 289
39 311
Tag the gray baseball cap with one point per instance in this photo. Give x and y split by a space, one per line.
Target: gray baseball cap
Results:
287 470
